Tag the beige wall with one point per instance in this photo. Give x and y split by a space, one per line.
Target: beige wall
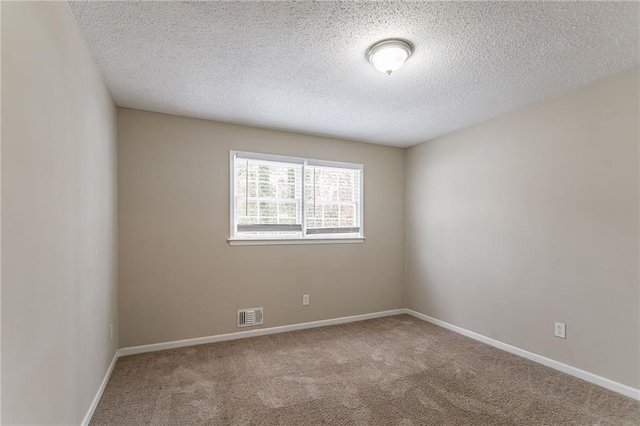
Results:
179 278
58 218
533 218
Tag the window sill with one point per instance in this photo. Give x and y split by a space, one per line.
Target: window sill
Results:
286 241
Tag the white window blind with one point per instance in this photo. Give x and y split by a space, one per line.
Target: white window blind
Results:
275 197
332 200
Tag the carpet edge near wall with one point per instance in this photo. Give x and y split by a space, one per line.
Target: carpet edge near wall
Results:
603 382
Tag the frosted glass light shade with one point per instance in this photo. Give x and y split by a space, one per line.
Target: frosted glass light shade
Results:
389 55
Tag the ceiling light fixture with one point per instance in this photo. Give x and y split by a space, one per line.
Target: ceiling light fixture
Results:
389 55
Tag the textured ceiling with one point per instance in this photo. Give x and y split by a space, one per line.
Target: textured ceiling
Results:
301 66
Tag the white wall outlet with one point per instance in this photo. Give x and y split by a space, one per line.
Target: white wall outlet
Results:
305 299
111 331
560 330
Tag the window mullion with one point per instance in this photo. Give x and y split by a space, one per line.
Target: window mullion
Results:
304 210
246 192
360 208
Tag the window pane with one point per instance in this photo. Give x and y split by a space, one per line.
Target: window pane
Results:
287 191
332 196
288 210
308 193
268 209
347 215
346 192
331 210
267 193
314 223
310 211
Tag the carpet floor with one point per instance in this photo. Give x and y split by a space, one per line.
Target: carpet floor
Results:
389 371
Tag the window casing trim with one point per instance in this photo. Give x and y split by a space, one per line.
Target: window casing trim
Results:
292 241
234 239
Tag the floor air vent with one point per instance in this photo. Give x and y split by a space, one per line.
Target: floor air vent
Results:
248 317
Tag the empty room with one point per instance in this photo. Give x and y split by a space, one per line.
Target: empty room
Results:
320 213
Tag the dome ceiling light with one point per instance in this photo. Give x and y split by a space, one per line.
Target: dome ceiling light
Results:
389 55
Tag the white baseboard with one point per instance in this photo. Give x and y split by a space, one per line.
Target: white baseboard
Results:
133 350
103 385
556 365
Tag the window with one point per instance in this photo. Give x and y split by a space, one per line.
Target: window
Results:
289 198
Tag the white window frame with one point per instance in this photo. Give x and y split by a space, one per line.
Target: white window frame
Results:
235 240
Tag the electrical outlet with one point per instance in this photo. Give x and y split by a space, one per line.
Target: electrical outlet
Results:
111 331
305 299
560 330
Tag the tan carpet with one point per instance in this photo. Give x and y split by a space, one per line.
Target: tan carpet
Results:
389 371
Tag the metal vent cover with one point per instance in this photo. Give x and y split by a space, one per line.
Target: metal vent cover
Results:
249 317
